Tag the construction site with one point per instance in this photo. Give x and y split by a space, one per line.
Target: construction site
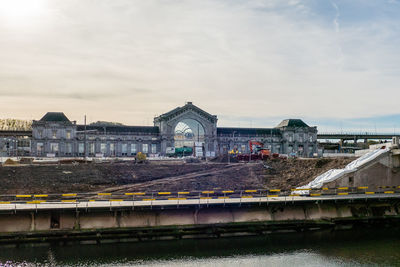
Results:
126 176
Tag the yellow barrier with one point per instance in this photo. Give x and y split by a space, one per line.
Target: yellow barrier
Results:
207 192
69 200
250 191
342 194
272 195
92 200
35 201
369 193
177 198
325 188
389 192
23 196
247 196
362 187
40 195
228 191
104 194
275 190
69 195
343 188
164 193
148 199
206 198
315 195
118 200
183 193
135 194
5 202
223 197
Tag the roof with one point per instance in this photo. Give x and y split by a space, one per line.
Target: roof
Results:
120 129
292 123
248 131
55 117
187 106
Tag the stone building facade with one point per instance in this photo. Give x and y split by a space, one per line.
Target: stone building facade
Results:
186 126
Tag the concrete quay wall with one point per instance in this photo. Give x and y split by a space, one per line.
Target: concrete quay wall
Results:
278 214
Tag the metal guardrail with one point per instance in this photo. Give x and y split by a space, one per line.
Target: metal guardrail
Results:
188 195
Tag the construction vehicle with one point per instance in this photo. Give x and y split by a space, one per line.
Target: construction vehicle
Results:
140 158
258 152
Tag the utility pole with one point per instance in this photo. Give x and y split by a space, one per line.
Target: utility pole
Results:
84 139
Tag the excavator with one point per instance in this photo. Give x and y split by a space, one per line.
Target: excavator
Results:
257 152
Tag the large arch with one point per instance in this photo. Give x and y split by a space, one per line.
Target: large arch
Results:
187 132
202 125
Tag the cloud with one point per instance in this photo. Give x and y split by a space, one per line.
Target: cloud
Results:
129 60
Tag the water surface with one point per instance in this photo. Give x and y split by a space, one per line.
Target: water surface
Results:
362 247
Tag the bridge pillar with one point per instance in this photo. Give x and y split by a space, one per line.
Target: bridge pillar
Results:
341 143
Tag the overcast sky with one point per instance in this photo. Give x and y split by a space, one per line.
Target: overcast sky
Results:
335 64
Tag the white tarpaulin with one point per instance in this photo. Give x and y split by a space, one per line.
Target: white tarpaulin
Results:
334 174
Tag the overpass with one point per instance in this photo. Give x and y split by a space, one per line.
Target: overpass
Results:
356 136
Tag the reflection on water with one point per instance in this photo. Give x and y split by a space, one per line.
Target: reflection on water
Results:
372 247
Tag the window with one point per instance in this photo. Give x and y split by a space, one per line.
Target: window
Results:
133 149
39 148
243 148
54 147
290 138
145 148
40 133
153 148
68 134
91 148
68 149
112 149
311 138
103 148
54 134
124 149
81 148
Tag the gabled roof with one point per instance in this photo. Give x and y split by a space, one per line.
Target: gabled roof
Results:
55 117
248 131
292 123
186 107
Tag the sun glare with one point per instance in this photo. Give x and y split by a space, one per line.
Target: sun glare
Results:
20 11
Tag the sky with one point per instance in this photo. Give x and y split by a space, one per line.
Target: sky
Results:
334 64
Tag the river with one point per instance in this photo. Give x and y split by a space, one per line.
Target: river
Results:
361 247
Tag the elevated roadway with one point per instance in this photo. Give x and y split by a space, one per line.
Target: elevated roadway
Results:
356 136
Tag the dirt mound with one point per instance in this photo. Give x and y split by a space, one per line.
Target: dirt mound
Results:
10 162
285 174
